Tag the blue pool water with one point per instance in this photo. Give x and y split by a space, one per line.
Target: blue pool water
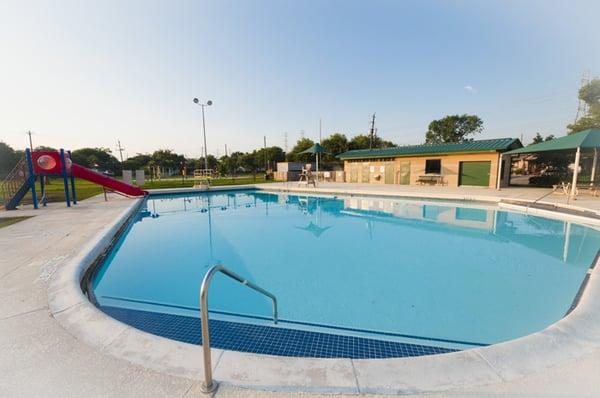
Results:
451 275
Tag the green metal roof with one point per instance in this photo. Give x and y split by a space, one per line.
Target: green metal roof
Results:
495 145
584 139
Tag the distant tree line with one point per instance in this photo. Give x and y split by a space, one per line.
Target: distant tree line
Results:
102 159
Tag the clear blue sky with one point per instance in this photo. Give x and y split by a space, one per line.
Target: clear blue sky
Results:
86 73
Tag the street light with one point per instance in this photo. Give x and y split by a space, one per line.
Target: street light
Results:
208 103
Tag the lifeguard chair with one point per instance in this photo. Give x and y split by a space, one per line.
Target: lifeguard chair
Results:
202 178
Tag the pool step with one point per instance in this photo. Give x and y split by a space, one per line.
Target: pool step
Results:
262 339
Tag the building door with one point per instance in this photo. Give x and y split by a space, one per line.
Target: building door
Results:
474 173
390 172
404 172
365 174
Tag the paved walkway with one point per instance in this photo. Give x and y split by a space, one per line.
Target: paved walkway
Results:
38 358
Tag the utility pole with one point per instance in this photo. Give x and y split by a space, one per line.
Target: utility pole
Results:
225 149
320 131
120 149
29 133
372 132
265 144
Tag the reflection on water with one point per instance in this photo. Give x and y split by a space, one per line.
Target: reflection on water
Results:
469 218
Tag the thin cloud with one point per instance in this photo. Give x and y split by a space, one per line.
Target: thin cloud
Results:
470 89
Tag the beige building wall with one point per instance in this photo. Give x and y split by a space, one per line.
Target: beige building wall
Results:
450 167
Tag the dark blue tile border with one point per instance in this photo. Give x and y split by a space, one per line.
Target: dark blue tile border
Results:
260 339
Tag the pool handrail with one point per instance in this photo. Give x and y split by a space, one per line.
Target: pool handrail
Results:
209 385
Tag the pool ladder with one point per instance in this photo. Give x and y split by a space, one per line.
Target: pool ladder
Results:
209 385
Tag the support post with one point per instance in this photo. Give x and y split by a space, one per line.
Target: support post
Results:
73 179
63 166
594 165
575 172
499 175
31 177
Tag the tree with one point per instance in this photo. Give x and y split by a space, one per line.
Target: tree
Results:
8 158
454 128
211 160
301 145
362 141
334 145
274 154
137 162
168 159
538 138
44 148
590 94
97 158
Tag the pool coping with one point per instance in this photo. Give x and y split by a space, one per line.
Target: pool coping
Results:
564 341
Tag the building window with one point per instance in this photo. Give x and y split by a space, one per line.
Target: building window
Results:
433 166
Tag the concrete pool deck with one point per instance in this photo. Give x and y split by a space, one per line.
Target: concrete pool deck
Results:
53 344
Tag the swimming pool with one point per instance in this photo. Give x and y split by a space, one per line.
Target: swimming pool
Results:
354 276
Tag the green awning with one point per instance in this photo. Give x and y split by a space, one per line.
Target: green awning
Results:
584 139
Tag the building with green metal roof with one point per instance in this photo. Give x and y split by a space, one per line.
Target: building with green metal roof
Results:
472 163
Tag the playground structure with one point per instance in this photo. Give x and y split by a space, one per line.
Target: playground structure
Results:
41 164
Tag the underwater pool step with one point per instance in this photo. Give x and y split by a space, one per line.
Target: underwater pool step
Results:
261 339
151 306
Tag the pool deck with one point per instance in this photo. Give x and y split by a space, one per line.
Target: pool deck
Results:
54 343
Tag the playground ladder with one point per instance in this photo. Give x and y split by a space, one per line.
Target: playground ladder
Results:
14 181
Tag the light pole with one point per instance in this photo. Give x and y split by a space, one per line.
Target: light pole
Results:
208 103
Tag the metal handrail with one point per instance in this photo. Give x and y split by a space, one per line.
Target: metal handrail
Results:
209 385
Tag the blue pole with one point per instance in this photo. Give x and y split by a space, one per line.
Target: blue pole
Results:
31 177
64 175
72 181
43 187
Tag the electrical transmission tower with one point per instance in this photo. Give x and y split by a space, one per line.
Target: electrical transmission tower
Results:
285 141
372 132
120 149
582 106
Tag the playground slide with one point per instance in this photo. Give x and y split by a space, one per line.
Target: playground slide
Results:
108 182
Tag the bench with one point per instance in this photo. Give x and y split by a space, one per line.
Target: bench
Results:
431 179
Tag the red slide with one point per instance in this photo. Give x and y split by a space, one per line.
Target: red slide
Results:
108 182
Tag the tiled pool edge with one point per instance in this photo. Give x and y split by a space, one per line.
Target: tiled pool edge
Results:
563 341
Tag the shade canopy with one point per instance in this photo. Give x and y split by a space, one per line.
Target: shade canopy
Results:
316 148
586 139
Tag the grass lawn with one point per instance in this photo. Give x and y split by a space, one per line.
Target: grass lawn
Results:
6 221
85 189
